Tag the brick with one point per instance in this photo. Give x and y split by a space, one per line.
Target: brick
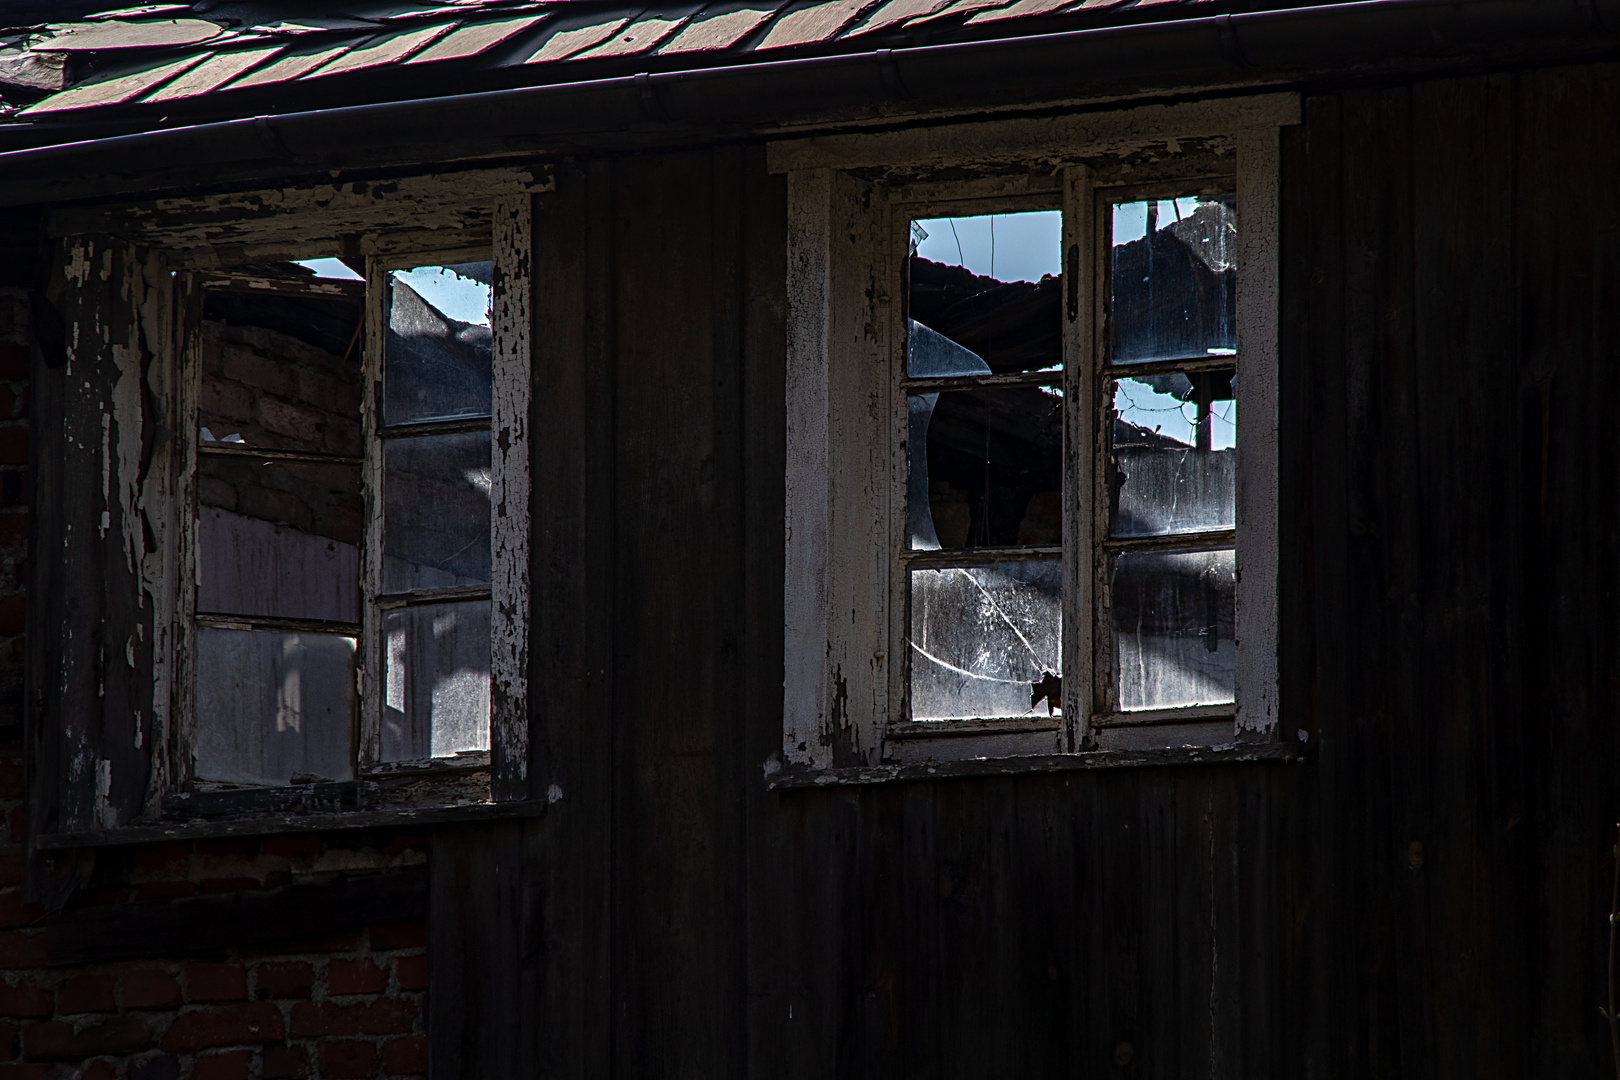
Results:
405 1057
164 890
23 948
212 491
407 935
86 994
285 418
245 366
348 1059
8 1039
11 779
355 977
293 847
161 1067
267 504
226 848
229 1065
11 866
284 1063
221 400
24 1072
14 911
101 1069
215 982
13 614
151 990
13 360
286 979
13 529
57 1040
13 445
161 862
16 487
412 972
26 999
224 1025
386 1016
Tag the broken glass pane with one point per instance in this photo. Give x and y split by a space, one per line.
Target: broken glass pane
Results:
1173 619
985 467
991 283
273 708
278 538
1175 453
437 681
1174 279
984 639
437 362
280 372
436 511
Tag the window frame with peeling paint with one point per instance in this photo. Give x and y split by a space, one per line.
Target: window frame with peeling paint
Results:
852 200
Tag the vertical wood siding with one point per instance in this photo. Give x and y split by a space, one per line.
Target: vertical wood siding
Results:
1425 897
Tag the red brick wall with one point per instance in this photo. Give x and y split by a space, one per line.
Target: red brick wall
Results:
349 1006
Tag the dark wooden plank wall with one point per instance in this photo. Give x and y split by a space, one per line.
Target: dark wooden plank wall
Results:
1425 897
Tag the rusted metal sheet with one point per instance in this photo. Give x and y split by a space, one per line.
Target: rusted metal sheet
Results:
112 91
472 40
717 28
107 36
567 41
382 50
812 24
213 73
639 36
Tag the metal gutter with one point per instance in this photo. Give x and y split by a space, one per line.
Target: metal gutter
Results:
765 96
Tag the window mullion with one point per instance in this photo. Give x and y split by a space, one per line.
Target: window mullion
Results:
1081 260
370 666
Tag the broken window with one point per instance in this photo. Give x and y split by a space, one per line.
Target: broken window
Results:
339 547
279 524
435 549
984 466
1168 567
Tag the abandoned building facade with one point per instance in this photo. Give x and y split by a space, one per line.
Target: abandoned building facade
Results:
809 538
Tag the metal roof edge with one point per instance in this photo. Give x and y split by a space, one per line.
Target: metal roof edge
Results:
755 98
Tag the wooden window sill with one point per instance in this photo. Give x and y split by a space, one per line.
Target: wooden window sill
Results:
800 779
370 803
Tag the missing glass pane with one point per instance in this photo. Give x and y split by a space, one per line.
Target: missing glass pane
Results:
273 708
1174 275
1173 618
437 681
277 538
985 468
984 639
992 285
280 372
436 511
437 363
1174 453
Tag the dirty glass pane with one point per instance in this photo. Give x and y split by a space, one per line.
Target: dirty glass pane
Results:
280 372
1174 279
1172 623
276 538
985 467
437 359
437 681
991 284
984 638
436 511
1175 454
273 708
